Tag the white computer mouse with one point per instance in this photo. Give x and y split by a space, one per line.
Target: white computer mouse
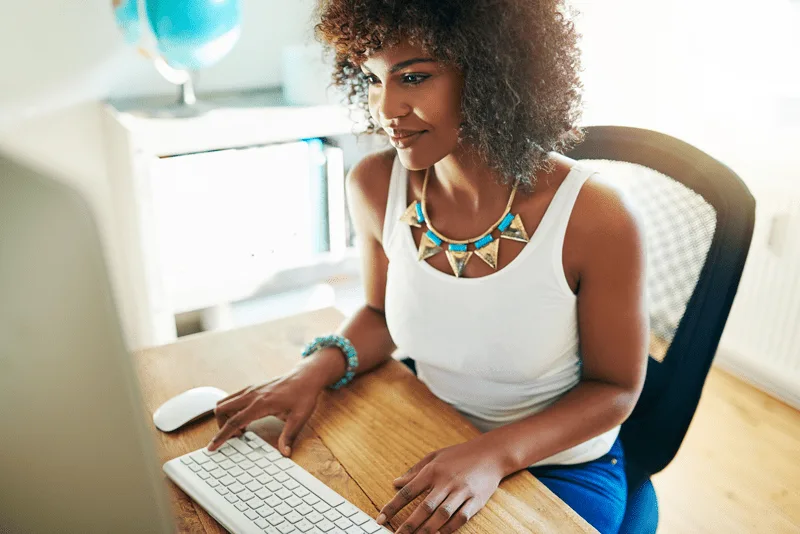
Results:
187 407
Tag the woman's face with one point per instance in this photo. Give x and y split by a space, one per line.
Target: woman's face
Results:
417 100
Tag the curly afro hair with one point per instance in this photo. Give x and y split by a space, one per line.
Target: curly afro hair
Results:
520 60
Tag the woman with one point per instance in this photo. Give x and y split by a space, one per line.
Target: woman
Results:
535 328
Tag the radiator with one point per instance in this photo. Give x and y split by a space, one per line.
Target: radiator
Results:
761 341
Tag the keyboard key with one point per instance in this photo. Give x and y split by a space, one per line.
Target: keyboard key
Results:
218 473
255 455
252 436
261 523
284 494
293 500
293 517
203 475
343 523
218 457
213 482
272 530
244 478
246 464
274 486
273 455
199 457
321 507
284 463
354 530
286 528
227 480
290 484
271 469
246 495
332 515
304 526
236 487
323 492
227 465
275 520
253 485
236 458
231 498
187 460
360 518
305 510
265 511
264 479
255 503
311 515
300 491
347 509
227 450
310 498
371 528
235 471
273 501
263 493
240 446
241 506
282 477
263 463
283 509
222 490
194 467
325 525
251 515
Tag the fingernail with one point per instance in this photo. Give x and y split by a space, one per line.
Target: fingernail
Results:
381 519
210 444
287 451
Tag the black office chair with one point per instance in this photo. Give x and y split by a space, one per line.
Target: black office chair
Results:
698 217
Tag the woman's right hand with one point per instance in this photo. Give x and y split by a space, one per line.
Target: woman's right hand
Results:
291 398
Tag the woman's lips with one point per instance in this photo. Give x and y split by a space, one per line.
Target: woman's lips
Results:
406 140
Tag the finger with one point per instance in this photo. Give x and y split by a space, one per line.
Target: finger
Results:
294 423
406 494
424 511
229 406
237 423
467 510
409 475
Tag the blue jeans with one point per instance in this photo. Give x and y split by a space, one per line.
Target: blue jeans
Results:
596 490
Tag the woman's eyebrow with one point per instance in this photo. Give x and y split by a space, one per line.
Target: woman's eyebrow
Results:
406 63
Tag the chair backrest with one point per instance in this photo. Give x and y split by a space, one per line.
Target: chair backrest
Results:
698 220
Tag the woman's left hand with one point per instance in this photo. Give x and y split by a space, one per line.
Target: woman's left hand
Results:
460 478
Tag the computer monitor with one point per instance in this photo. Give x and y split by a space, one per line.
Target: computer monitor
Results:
77 452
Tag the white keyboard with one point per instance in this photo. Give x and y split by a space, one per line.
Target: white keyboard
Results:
249 487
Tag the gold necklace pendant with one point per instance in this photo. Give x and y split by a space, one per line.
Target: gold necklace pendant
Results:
458 255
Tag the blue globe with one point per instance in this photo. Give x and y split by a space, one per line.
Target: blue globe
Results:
190 34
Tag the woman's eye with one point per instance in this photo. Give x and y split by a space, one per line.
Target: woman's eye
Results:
414 79
371 79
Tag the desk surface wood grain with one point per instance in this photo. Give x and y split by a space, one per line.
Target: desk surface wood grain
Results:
359 439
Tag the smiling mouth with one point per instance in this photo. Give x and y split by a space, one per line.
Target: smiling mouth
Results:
406 140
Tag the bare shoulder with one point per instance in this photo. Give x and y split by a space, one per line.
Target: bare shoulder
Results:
606 224
368 189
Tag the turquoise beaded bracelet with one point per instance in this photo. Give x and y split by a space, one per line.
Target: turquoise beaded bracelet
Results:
346 347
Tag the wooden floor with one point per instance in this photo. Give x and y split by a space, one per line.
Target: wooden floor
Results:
738 469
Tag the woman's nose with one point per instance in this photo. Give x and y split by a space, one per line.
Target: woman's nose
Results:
391 105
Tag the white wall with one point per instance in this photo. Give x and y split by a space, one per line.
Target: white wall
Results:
59 53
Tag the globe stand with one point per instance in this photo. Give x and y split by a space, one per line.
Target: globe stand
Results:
186 106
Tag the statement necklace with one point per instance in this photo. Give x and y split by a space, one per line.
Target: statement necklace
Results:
458 253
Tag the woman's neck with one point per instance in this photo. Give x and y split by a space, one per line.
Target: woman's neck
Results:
463 179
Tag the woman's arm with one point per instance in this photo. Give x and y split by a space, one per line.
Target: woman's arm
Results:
613 323
367 191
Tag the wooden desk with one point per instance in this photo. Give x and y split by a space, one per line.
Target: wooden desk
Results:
359 439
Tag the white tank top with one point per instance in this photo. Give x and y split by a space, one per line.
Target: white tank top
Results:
497 348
